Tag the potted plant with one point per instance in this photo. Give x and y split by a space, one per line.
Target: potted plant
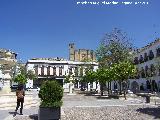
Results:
51 93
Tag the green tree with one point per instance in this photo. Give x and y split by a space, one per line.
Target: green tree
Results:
122 71
23 75
115 47
104 75
90 76
20 79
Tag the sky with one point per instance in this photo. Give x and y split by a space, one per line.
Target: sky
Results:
44 28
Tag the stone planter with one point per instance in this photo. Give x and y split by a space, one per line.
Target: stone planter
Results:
49 113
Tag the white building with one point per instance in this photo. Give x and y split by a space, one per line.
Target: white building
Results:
147 60
8 59
57 69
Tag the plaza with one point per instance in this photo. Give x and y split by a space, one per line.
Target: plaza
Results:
85 106
70 60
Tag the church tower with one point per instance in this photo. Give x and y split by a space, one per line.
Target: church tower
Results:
71 51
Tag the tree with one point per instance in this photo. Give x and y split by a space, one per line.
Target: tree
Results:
104 75
23 75
122 71
87 69
115 47
90 76
20 79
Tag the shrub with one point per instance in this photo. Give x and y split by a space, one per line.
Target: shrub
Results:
51 93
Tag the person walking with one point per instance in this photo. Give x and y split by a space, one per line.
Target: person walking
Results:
20 98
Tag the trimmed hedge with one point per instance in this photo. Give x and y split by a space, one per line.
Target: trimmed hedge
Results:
51 93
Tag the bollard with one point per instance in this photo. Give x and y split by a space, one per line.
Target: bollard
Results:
147 99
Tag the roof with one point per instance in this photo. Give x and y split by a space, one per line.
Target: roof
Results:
59 62
6 50
148 45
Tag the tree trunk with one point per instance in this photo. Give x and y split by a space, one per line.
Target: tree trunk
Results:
101 87
108 89
125 88
120 85
125 93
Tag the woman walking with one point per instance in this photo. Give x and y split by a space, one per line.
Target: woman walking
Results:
20 98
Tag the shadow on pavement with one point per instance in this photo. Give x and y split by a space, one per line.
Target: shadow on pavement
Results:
103 97
150 111
34 116
13 113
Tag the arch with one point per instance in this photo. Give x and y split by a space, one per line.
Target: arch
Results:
134 86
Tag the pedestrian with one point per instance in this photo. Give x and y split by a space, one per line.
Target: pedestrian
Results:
20 98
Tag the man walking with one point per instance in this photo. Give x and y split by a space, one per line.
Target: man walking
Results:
20 98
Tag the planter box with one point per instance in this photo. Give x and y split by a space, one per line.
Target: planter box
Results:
48 113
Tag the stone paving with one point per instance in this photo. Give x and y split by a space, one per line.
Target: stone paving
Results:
81 107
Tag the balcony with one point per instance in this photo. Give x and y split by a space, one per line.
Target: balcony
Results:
136 60
141 60
145 57
151 55
158 52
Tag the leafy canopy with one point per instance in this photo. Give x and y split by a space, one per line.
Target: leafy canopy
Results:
23 75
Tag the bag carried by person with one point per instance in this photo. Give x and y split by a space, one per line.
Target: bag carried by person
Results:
20 94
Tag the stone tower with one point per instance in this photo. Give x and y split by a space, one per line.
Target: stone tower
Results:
81 54
71 51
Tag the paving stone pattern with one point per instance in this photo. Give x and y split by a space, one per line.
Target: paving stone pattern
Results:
106 113
81 107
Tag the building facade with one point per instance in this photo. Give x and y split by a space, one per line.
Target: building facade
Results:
8 59
81 54
57 69
147 61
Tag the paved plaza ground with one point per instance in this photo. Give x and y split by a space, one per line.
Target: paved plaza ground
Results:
87 107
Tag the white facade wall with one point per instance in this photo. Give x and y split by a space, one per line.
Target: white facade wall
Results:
30 67
148 63
65 68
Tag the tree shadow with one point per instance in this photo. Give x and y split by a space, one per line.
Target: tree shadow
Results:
91 94
83 92
34 116
150 111
103 97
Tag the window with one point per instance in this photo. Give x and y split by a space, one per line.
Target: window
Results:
158 52
136 60
141 59
137 76
153 70
76 71
60 71
36 70
48 70
70 71
142 73
146 71
145 57
54 71
81 71
151 55
42 70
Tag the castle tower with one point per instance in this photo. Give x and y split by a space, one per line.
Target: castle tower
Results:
71 52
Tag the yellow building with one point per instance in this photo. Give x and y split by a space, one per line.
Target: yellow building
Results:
80 54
